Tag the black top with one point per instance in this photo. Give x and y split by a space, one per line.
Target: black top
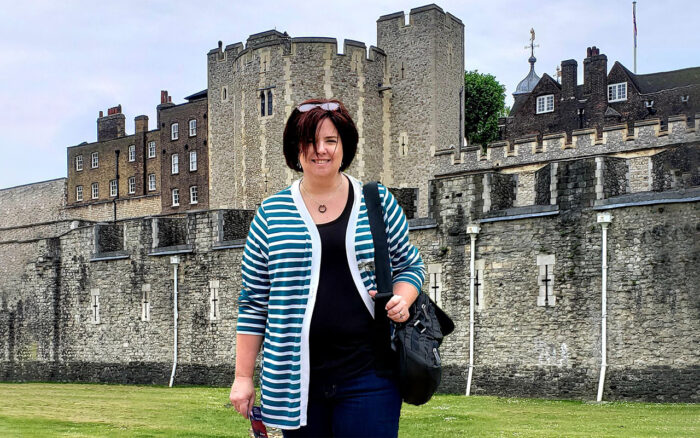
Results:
341 325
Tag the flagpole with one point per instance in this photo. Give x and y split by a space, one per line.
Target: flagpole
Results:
634 21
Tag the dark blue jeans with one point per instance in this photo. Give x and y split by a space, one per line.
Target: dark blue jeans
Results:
362 407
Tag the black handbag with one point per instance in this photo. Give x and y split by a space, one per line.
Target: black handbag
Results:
416 364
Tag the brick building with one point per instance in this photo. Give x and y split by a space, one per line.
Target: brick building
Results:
543 105
139 174
184 154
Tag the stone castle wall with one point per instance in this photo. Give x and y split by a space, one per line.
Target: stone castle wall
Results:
525 344
32 203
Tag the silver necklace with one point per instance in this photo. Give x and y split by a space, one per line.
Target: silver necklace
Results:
321 206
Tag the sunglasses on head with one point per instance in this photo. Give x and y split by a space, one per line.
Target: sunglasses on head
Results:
328 106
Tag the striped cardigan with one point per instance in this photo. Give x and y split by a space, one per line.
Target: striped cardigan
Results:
280 273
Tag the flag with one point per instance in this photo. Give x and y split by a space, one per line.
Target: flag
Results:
634 22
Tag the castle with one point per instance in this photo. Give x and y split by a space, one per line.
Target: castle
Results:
512 235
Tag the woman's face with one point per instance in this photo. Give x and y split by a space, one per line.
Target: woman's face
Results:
326 160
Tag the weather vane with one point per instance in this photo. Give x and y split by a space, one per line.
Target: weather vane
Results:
532 42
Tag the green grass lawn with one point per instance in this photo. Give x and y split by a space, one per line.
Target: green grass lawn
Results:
71 410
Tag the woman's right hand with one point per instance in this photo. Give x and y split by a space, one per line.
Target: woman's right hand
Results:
242 395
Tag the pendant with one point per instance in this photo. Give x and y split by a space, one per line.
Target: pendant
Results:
322 208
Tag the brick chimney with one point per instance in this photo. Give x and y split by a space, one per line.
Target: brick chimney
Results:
141 123
595 73
569 78
165 102
111 126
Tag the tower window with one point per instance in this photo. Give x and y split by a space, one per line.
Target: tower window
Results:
269 102
262 103
132 152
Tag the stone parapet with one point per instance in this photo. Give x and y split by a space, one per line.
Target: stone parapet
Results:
647 134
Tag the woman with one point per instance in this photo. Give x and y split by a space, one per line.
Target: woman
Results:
307 288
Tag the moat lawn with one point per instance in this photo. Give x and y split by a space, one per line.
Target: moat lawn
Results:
73 410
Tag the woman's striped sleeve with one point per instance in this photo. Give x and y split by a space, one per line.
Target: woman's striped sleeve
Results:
255 280
406 262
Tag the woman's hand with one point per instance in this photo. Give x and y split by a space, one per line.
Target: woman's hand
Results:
396 308
242 395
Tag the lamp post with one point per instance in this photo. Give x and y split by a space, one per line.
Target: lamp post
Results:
604 220
472 230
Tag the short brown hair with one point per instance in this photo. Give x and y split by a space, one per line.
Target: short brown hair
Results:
305 125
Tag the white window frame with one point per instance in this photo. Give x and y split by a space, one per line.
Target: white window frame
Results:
193 127
113 188
151 149
193 161
151 182
95 160
174 131
435 282
617 92
78 163
95 190
132 152
214 314
193 195
78 193
145 302
176 197
95 306
174 164
132 185
545 104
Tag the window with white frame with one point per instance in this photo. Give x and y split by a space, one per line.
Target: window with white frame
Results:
132 152
479 284
545 104
176 197
545 280
617 92
193 127
193 161
435 283
151 182
113 188
146 302
78 193
95 160
175 164
95 306
95 191
79 163
132 185
193 194
174 131
214 300
151 149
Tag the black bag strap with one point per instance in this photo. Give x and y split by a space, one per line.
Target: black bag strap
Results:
384 359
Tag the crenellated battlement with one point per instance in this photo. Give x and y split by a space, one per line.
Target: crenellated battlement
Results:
646 134
416 15
289 46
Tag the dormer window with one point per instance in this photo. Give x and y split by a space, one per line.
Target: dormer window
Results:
545 104
617 92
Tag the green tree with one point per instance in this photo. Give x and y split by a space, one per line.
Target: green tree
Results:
484 103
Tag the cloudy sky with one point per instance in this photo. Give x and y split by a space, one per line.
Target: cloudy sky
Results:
61 62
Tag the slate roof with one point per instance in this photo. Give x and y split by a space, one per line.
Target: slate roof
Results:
655 82
197 95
